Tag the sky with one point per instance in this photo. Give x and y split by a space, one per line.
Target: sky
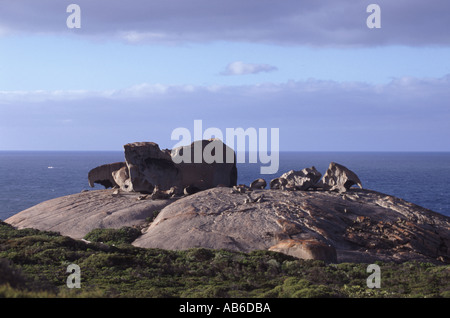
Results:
137 70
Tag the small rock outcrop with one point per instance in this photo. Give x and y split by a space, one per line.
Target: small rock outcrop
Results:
306 249
339 178
122 178
258 184
303 179
278 183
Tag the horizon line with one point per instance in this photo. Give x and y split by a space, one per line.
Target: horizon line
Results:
349 151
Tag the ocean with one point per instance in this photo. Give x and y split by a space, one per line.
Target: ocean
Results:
31 177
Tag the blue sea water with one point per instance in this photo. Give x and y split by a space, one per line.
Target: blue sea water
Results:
28 178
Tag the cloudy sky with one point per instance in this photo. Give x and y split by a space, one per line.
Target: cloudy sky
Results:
138 69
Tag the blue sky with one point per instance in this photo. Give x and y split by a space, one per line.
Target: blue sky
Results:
311 68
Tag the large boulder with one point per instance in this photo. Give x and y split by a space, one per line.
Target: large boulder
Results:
202 165
104 174
205 164
303 179
339 178
149 166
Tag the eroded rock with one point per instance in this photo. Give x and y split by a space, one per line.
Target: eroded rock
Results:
303 179
278 183
104 174
149 166
258 184
306 249
339 178
122 178
216 165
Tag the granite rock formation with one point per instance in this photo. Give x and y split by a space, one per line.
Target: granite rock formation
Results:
358 226
300 215
147 166
339 178
278 183
258 184
216 165
77 214
104 174
303 179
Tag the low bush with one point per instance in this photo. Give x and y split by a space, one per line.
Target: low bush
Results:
33 264
113 236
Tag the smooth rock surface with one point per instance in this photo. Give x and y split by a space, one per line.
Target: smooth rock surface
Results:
360 225
76 215
356 226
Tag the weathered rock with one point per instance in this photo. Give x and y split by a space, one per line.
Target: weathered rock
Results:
122 178
104 174
159 194
306 249
339 178
258 184
190 190
278 183
78 214
249 199
364 227
303 179
356 226
240 188
149 166
217 164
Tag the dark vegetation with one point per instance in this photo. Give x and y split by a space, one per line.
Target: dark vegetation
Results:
33 264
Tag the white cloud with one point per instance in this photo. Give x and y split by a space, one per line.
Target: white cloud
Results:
399 88
241 68
405 114
138 37
287 22
38 96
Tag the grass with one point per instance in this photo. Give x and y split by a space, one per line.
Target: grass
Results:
33 264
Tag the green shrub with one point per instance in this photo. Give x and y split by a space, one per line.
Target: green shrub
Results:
113 236
293 287
33 264
10 275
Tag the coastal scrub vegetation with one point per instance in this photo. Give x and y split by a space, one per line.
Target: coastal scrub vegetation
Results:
33 264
